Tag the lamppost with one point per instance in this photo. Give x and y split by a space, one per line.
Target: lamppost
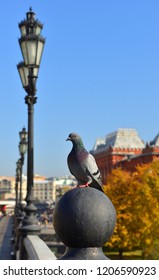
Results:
17 179
31 44
16 210
22 150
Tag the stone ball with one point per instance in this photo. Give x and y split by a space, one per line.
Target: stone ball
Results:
84 217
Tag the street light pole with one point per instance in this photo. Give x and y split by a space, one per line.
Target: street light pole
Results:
17 211
30 100
31 44
22 150
17 179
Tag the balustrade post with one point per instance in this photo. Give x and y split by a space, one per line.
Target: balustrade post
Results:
84 219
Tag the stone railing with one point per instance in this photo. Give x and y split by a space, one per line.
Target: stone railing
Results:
36 249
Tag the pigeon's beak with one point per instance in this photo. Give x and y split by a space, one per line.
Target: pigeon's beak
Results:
68 139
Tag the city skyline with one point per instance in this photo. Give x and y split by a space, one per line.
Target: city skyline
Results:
99 72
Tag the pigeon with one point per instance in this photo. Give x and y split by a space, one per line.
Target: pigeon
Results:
82 164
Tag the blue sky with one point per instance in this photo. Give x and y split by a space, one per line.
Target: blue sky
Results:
99 72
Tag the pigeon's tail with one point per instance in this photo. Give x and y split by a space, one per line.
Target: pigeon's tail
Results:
96 186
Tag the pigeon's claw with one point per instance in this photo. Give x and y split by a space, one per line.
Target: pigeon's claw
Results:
83 186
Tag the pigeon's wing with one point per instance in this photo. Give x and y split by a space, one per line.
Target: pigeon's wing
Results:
93 170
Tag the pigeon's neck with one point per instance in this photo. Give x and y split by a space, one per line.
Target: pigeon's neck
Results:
78 146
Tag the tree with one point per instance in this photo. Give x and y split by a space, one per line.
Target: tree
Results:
136 200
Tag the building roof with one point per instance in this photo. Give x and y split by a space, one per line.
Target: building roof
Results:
124 138
38 182
155 141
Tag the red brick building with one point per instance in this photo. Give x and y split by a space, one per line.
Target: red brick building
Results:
123 148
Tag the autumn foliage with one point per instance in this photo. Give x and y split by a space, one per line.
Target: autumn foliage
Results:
136 200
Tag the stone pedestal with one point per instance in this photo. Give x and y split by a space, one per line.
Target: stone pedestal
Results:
84 219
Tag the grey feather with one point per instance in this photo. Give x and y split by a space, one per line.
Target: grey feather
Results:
82 164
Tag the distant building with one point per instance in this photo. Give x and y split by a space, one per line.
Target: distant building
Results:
44 190
47 189
39 177
7 187
63 181
123 148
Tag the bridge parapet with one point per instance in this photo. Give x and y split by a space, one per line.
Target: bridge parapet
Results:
36 249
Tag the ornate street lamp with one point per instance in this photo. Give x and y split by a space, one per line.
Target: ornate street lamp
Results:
22 150
23 134
31 44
